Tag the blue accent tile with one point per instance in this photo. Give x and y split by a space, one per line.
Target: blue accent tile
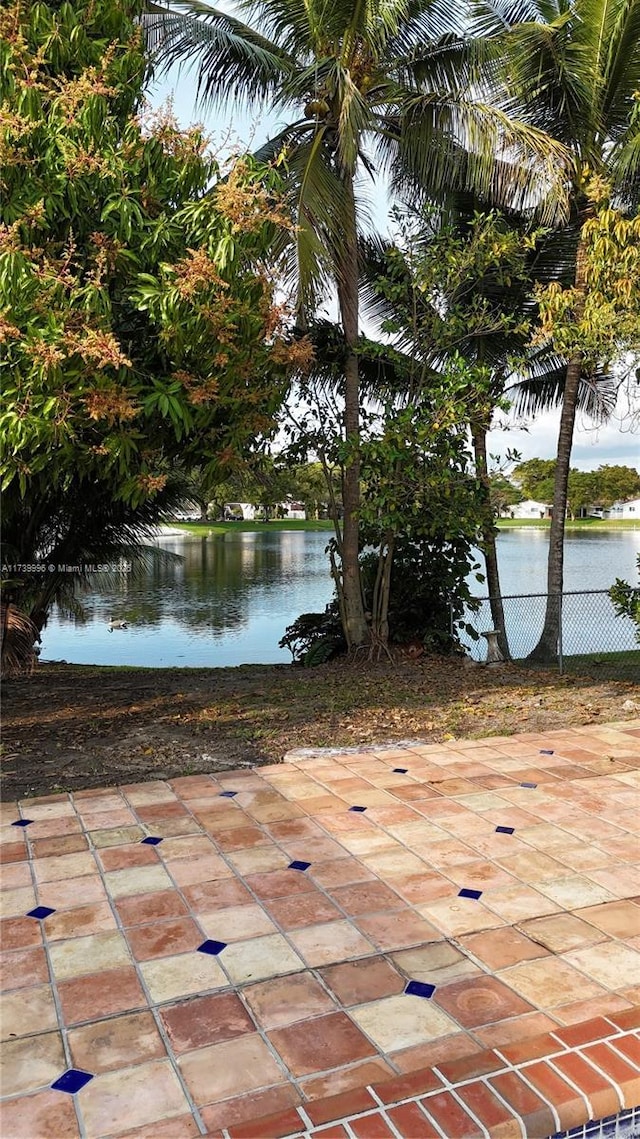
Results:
298 865
546 751
357 808
212 947
22 823
529 785
420 989
71 1081
40 912
150 841
401 770
505 830
475 894
228 794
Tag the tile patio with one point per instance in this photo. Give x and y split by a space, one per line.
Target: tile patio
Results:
424 940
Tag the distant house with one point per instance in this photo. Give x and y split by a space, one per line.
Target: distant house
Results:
629 509
528 509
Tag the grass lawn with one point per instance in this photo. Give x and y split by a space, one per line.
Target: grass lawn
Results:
612 666
250 527
578 524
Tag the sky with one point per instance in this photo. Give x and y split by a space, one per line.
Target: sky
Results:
617 442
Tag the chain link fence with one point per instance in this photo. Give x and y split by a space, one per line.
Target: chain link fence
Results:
593 640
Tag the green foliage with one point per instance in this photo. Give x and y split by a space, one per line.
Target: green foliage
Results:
138 324
626 600
314 638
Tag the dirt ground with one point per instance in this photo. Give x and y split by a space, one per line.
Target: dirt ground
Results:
71 726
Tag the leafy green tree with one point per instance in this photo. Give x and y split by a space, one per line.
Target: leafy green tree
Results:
626 599
575 66
615 484
386 86
530 474
138 324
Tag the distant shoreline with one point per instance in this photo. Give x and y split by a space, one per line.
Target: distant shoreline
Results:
282 524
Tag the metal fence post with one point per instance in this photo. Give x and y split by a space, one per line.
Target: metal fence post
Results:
560 659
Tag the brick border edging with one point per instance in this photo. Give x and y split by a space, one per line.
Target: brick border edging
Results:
545 1084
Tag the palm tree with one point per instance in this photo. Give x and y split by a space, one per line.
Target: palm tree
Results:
383 86
575 66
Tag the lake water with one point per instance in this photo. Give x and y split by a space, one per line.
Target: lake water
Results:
227 601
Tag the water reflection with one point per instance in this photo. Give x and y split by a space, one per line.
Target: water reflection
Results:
227 601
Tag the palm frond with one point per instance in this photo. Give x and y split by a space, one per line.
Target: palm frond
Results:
233 61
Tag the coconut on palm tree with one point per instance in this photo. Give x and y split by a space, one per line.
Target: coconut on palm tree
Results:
385 86
574 65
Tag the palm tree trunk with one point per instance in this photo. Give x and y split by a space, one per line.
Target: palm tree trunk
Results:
547 647
488 536
356 628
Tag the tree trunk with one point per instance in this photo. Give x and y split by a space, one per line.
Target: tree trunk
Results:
356 629
488 536
547 647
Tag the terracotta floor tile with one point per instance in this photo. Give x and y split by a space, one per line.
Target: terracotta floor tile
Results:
243 1108
560 932
168 978
478 1001
40 1116
236 1067
101 994
31 1062
610 964
515 1030
303 909
141 1095
422 888
284 1000
82 955
16 903
20 933
63 844
618 919
28 1011
259 958
575 892
116 836
355 1077
332 1042
401 1021
341 872
356 982
329 943
110 1044
367 898
164 938
499 948
69 895
140 909
396 930
139 880
23 967
15 876
517 903
580 1011
205 1020
208 896
454 1047
126 857
460 915
258 860
80 922
437 963
237 923
550 982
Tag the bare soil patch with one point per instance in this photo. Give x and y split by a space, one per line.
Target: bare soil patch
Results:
71 726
